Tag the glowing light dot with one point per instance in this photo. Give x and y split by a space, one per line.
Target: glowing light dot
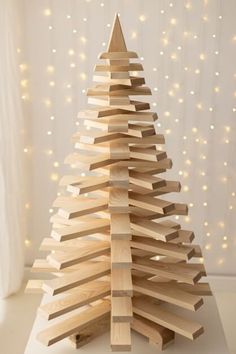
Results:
71 52
155 89
192 92
56 164
27 242
166 114
204 187
85 19
184 137
154 69
208 246
194 130
180 100
26 150
52 83
197 71
180 173
133 35
233 194
47 12
50 210
220 261
54 177
208 234
185 188
202 56
52 117
191 205
27 206
83 76
217 73
162 12
142 18
49 132
68 17
224 245
188 162
212 127
173 21
54 50
83 39
227 128
50 28
217 89
74 30
205 204
201 259
50 69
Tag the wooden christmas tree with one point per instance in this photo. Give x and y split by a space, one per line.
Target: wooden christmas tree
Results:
116 257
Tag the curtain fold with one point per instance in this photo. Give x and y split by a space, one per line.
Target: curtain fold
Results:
11 157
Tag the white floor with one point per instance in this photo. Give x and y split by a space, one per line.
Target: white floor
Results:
17 314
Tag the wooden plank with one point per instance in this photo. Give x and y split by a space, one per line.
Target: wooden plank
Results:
85 273
202 289
170 187
88 162
119 176
153 229
140 130
89 185
73 324
157 334
74 231
167 292
159 247
119 151
120 336
120 254
149 203
180 272
96 138
145 180
121 282
34 286
62 260
184 236
84 295
121 309
118 55
49 244
119 68
125 116
110 126
118 90
83 208
174 322
118 200
147 154
120 227
90 332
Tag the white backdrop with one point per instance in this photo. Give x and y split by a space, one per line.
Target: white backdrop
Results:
188 50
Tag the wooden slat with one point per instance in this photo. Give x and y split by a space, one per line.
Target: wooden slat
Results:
163 248
120 336
180 272
167 292
145 180
34 286
167 319
74 231
84 274
63 260
89 185
121 309
120 254
83 208
49 244
119 151
119 176
74 324
120 68
88 162
118 200
121 282
153 229
147 154
156 333
149 203
120 227
118 55
85 294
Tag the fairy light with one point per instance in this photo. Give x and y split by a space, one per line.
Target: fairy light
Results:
142 18
47 12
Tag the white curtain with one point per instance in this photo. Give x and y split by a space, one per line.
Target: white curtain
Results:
11 183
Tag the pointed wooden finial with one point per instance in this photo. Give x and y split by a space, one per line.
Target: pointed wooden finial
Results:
117 41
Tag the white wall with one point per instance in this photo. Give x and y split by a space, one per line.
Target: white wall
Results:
189 60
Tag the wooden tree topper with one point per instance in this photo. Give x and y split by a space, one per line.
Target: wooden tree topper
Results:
116 255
